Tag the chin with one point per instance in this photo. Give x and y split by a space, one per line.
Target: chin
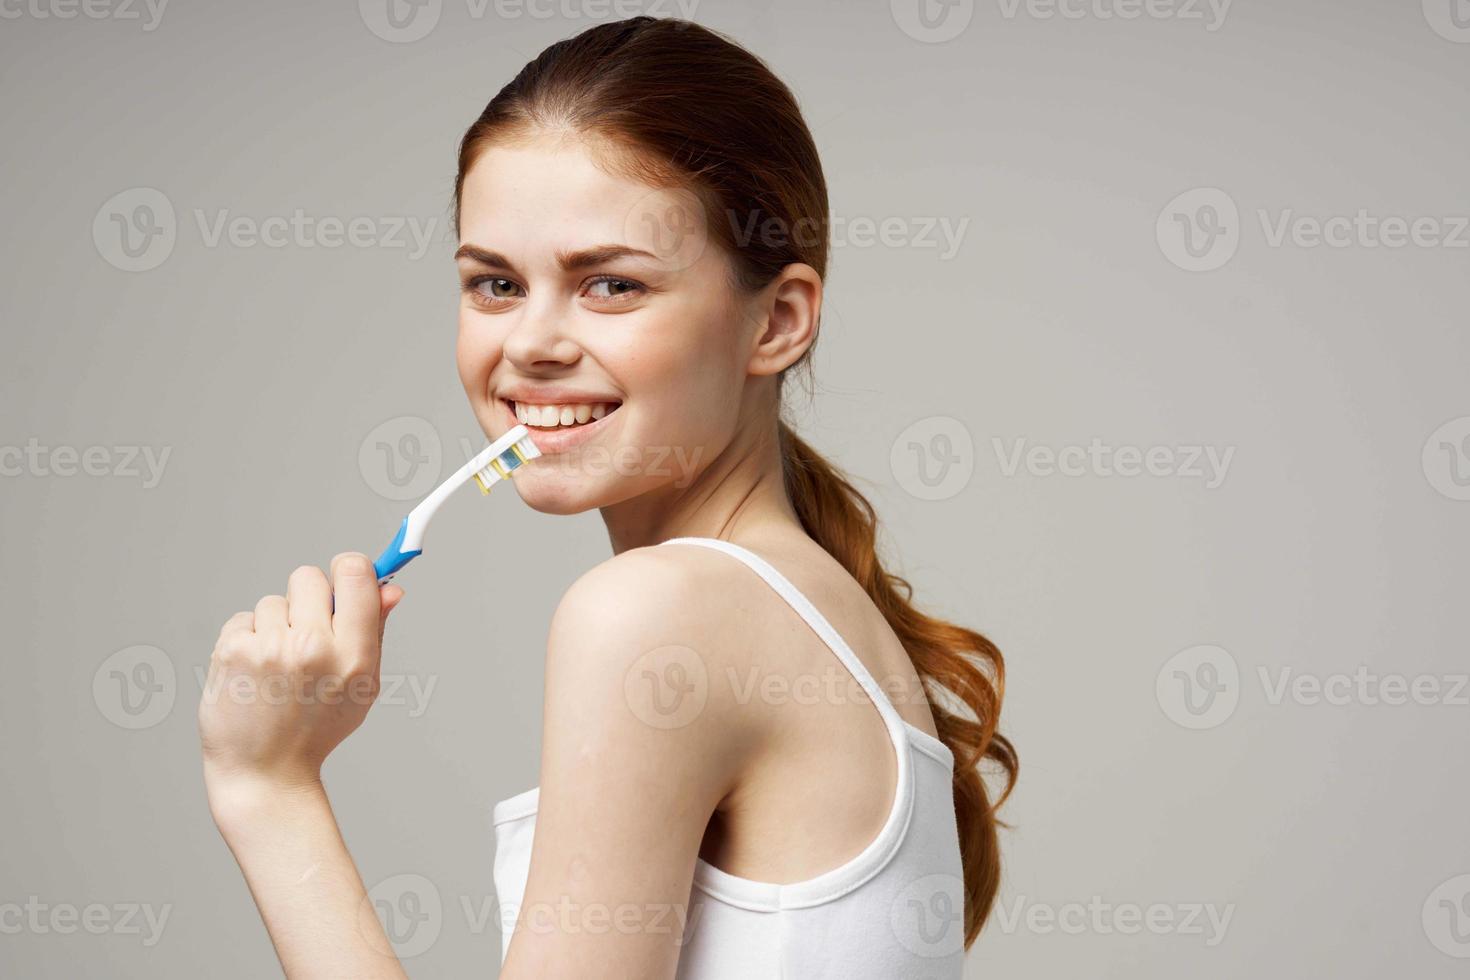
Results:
556 495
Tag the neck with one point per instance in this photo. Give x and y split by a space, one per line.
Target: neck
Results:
741 493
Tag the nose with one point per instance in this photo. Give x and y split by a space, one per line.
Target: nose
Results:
540 338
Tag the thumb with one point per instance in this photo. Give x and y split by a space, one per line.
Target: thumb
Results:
390 595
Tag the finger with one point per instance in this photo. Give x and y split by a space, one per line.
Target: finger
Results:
309 598
270 614
390 597
241 622
355 587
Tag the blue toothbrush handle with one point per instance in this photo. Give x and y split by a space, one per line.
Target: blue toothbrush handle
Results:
394 557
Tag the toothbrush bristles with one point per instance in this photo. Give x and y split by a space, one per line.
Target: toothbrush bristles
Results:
520 452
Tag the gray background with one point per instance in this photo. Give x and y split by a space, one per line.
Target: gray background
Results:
1333 834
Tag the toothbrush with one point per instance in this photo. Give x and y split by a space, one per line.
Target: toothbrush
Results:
491 465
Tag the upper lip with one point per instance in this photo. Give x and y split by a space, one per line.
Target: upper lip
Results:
532 394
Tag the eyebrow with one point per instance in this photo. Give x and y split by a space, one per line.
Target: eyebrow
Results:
569 261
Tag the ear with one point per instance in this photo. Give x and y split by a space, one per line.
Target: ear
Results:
786 314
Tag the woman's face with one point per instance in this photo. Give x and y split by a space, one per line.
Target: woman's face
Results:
586 294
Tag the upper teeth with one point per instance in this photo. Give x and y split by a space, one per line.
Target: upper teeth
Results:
553 415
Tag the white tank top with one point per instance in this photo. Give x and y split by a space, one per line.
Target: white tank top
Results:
893 912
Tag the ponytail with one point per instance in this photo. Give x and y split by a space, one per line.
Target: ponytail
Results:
960 661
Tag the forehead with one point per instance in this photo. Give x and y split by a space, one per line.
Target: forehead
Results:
531 198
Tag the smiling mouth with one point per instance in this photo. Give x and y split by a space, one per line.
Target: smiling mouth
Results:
548 418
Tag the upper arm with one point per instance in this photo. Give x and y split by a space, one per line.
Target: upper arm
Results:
636 755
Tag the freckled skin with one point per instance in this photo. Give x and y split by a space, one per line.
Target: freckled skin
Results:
675 355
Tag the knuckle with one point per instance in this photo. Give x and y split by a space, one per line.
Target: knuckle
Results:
352 563
312 647
235 649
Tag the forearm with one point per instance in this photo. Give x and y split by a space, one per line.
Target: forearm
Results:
304 881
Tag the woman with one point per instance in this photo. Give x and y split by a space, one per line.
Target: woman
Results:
643 227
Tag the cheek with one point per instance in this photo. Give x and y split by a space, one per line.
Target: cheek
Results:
476 352
687 369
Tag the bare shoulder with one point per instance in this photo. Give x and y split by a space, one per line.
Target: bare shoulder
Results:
646 596
635 646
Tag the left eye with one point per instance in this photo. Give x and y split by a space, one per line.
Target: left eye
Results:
611 288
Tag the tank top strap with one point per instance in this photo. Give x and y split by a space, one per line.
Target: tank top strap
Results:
818 623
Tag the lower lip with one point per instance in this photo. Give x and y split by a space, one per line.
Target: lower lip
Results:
561 438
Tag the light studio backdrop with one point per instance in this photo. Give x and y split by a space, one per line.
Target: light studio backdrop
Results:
1145 331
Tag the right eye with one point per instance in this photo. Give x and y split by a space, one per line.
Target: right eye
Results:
494 290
